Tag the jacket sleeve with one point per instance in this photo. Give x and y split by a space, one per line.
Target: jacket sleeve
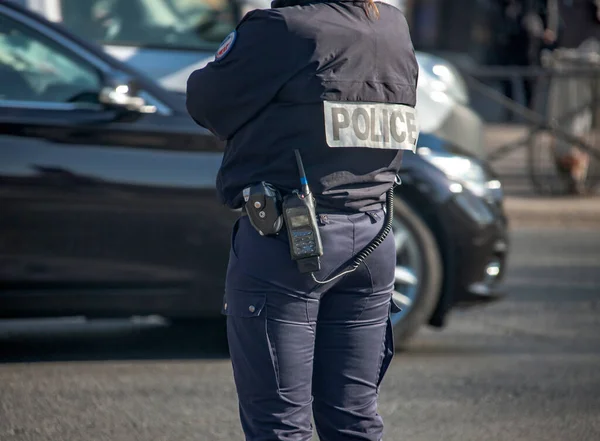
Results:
232 90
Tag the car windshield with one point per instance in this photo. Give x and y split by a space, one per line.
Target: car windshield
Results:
185 24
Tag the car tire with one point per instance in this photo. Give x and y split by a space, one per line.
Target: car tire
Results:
428 290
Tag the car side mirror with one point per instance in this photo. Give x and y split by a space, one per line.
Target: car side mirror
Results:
123 96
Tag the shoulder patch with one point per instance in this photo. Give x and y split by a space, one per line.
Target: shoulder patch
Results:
226 46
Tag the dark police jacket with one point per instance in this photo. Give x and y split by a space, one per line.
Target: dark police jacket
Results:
321 77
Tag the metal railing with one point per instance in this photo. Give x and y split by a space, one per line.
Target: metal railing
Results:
563 137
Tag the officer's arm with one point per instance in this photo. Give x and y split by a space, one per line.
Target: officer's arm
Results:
232 90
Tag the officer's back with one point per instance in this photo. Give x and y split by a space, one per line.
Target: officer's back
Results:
331 80
317 51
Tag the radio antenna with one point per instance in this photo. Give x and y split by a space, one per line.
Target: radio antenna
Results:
303 180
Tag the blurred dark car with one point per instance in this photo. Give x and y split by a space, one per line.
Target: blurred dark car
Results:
108 206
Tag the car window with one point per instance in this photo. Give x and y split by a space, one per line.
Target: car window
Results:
187 24
34 68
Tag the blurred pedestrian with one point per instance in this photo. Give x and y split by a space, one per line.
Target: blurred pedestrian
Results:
574 101
580 21
529 27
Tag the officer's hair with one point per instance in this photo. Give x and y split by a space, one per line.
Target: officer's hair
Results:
370 6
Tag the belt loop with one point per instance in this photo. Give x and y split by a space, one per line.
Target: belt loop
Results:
374 215
323 219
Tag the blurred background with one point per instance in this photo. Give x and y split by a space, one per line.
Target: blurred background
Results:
113 246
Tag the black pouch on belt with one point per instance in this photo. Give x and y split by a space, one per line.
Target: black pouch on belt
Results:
263 207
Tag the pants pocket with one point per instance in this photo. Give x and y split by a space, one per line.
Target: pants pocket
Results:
252 344
387 351
243 303
234 233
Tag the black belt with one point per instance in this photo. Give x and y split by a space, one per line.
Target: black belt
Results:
319 211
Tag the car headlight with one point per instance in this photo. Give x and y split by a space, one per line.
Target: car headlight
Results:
475 207
464 170
440 76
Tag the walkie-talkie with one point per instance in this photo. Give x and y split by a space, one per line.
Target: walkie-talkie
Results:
300 218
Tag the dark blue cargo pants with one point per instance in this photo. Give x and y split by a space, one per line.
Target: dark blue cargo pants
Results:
297 346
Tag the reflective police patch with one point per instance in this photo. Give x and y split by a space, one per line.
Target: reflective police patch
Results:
226 46
373 125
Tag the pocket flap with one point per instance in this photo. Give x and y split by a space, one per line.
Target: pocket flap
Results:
243 303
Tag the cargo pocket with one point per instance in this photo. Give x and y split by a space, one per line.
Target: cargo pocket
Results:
243 303
387 351
251 344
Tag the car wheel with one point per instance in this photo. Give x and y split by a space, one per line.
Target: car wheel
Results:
418 273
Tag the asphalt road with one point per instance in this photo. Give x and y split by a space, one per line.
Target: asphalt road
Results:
527 368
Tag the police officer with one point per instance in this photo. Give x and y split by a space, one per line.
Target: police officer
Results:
335 80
